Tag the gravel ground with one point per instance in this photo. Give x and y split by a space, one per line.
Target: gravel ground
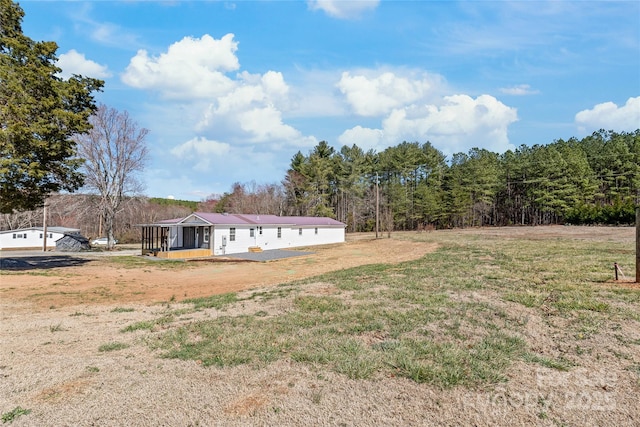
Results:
270 255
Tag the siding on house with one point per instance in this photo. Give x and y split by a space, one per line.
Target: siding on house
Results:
32 238
265 232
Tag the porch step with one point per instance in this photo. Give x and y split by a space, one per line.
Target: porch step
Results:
255 249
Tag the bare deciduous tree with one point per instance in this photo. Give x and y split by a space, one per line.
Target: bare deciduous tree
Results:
115 152
252 198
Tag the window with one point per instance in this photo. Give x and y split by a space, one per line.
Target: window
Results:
51 235
279 232
316 230
299 231
24 235
14 235
41 235
232 234
205 235
260 230
252 232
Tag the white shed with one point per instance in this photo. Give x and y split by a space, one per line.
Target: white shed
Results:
32 237
206 234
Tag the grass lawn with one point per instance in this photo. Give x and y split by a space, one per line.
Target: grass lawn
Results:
461 316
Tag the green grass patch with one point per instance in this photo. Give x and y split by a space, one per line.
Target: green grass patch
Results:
558 364
123 310
10 416
45 273
319 304
528 298
281 291
139 326
449 364
141 262
112 346
56 328
79 313
214 301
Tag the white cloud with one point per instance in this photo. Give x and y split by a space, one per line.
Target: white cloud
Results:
265 124
201 152
73 62
191 68
105 33
313 94
411 107
459 124
609 116
364 138
377 95
343 9
249 114
519 90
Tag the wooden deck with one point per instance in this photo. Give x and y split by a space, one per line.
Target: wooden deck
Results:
184 253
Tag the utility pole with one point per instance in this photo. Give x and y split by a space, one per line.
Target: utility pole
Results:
44 228
638 243
377 205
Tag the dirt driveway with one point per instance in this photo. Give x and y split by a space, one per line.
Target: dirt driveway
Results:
99 280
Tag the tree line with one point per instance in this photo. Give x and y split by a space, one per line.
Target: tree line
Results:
410 186
579 181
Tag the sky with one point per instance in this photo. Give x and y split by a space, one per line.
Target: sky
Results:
231 90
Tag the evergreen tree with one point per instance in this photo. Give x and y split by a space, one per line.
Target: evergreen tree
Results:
39 115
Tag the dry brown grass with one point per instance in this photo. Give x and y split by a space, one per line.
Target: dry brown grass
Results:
60 374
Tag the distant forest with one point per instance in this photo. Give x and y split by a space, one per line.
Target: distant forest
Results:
595 180
411 186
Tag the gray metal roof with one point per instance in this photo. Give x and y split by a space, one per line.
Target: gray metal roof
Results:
52 229
249 219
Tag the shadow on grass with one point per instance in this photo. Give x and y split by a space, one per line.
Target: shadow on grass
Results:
40 262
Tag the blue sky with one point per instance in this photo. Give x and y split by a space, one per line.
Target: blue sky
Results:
231 90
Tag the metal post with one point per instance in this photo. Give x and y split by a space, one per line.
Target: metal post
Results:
143 235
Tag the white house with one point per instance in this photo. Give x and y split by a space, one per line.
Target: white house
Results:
206 234
33 237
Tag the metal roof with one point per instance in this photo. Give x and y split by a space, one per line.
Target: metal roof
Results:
52 229
250 219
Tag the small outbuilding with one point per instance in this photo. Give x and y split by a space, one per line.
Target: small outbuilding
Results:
207 234
72 243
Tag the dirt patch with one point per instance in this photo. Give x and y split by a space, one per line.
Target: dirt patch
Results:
100 281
